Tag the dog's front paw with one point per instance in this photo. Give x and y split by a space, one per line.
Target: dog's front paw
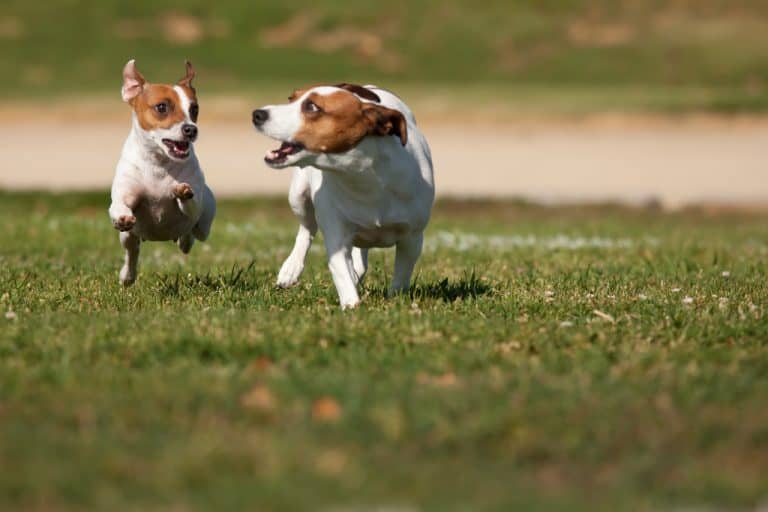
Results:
127 275
290 272
183 191
350 303
124 222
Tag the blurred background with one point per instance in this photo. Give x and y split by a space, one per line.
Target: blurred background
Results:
655 102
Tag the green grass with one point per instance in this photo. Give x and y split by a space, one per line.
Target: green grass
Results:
711 56
579 358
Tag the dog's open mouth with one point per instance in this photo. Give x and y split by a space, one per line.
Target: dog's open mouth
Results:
177 148
281 154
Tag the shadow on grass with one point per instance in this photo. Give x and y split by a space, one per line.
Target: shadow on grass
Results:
237 279
469 286
244 279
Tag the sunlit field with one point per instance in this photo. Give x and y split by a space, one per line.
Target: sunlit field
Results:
579 358
592 55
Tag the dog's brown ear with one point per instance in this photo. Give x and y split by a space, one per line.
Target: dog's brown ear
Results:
386 121
133 81
190 74
361 91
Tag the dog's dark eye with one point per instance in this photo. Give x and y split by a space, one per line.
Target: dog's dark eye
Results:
162 108
310 106
194 110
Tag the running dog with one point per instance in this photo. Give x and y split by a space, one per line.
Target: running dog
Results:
159 191
363 176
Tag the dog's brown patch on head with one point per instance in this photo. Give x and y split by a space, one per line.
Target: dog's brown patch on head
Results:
337 122
158 106
298 93
361 91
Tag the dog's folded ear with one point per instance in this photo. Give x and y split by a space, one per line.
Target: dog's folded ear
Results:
133 82
186 81
385 121
361 91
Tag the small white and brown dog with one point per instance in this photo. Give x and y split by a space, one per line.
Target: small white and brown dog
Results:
159 191
363 176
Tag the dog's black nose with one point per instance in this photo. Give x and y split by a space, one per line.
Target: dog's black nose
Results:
260 117
189 131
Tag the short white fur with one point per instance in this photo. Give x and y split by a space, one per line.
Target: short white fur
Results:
377 194
145 203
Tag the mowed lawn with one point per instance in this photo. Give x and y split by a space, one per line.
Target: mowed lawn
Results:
579 358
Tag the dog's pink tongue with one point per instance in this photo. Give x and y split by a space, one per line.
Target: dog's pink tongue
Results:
273 154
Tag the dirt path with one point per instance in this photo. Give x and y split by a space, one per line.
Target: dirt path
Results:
673 161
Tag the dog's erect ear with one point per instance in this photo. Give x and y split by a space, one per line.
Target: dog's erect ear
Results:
386 121
187 80
361 91
133 82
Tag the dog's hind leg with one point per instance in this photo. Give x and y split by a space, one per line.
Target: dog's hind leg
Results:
130 243
407 253
301 204
203 227
359 263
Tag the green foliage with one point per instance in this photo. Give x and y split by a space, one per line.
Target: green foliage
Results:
714 50
593 358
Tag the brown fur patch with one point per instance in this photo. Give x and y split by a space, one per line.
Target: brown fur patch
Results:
154 94
183 191
145 106
343 121
387 121
360 91
298 93
353 88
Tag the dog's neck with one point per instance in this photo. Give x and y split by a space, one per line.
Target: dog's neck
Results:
364 159
362 173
